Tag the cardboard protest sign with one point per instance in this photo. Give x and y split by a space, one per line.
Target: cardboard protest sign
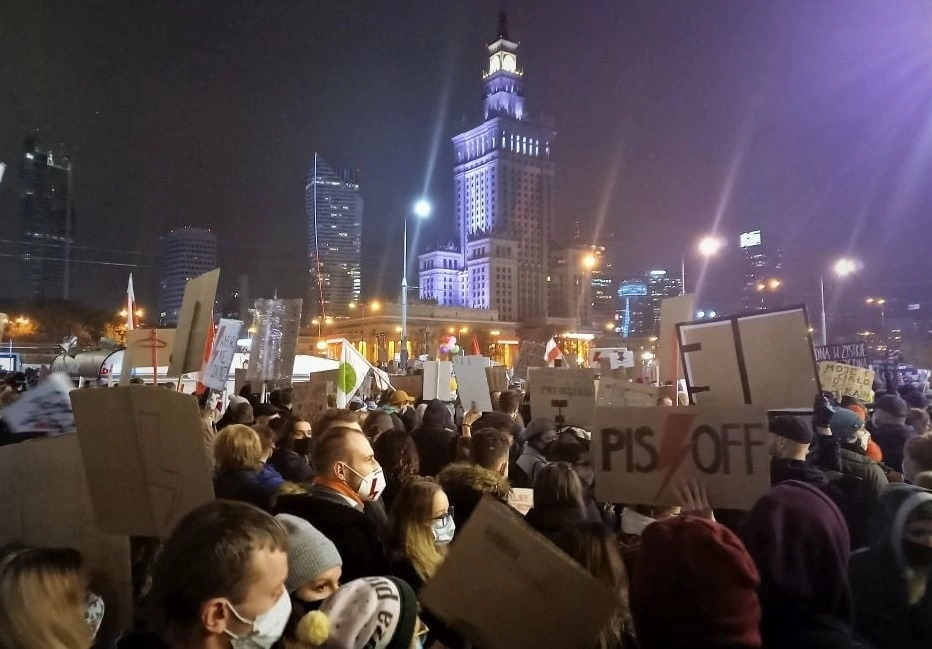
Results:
847 380
620 392
611 358
497 376
146 348
144 457
275 341
530 354
521 499
563 392
500 571
437 375
413 385
239 379
44 409
472 383
763 359
673 310
44 501
310 399
194 320
641 454
221 356
847 353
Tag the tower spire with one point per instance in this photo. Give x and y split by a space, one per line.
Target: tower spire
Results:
502 23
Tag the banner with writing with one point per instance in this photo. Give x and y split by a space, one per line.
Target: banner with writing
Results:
847 380
622 392
847 353
221 356
562 393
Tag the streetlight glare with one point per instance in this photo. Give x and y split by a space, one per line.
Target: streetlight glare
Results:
844 267
589 261
422 208
774 283
709 246
375 306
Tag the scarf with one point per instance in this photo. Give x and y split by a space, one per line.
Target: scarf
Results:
339 487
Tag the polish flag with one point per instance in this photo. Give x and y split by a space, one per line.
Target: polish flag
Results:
475 346
130 305
552 352
208 350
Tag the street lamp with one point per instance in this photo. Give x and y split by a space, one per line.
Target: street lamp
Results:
589 261
422 209
881 302
842 268
708 246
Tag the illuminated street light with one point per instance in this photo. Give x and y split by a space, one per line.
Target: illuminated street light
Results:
321 345
351 305
376 305
761 287
609 326
328 320
422 209
589 261
647 356
315 321
495 332
774 284
709 246
842 268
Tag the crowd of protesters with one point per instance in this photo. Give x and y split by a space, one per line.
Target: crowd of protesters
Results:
324 533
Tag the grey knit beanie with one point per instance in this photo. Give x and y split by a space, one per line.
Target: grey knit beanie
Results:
309 552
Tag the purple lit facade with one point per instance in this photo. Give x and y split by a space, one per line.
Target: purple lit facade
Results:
504 183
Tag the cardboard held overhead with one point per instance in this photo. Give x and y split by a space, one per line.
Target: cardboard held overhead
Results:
530 354
521 500
194 321
217 371
847 353
611 358
275 341
472 383
673 310
44 409
310 399
621 392
146 348
500 571
847 380
413 385
497 376
555 391
144 457
44 501
763 359
437 376
641 454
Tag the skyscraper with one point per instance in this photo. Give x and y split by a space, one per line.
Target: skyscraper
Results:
503 180
659 286
334 238
184 254
635 317
47 226
762 265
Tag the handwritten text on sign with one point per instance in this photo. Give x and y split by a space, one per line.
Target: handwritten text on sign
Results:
573 388
847 380
640 454
221 356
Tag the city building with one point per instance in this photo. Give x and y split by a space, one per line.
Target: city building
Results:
503 179
184 254
569 283
634 315
762 271
660 285
605 285
334 209
46 223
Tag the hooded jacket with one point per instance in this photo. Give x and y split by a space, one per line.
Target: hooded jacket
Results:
550 521
892 437
878 581
246 486
434 438
466 484
799 540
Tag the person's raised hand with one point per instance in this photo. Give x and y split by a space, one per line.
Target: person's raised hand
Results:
694 499
822 410
472 415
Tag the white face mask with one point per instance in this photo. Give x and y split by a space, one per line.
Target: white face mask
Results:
267 628
370 486
444 529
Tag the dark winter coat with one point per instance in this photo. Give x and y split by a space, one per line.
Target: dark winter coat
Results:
291 466
244 485
553 520
351 530
434 439
878 582
403 569
782 469
466 484
891 438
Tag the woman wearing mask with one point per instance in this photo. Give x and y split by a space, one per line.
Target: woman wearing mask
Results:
558 500
45 600
292 447
397 455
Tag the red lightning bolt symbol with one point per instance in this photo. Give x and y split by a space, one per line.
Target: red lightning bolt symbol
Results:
675 445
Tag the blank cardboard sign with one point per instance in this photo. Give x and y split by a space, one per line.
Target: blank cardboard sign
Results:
500 575
472 382
194 320
144 457
673 310
763 359
437 376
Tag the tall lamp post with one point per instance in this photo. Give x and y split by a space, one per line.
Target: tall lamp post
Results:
708 246
841 268
422 209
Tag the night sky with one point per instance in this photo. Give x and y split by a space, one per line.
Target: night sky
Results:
809 118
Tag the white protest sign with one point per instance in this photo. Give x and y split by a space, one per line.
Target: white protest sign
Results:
614 357
44 409
673 310
500 571
472 383
556 391
621 392
521 499
437 375
195 319
221 356
641 454
847 380
763 359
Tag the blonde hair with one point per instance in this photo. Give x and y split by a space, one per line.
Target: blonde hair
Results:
237 447
43 591
410 526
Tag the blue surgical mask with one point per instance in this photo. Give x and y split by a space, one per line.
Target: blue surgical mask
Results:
444 529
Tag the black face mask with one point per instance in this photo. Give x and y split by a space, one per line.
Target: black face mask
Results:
302 446
917 555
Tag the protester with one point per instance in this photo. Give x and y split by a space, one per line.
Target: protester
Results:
634 519
540 436
266 412
847 430
509 402
918 420
593 547
558 500
267 474
207 404
890 580
485 475
917 456
503 423
695 588
341 501
402 404
789 445
573 447
419 530
800 544
292 447
378 422
397 455
890 430
333 418
435 438
45 600
371 613
873 450
238 458
238 412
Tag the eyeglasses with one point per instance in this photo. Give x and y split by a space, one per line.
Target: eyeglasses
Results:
445 518
422 630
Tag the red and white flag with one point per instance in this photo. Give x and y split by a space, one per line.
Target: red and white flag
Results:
552 352
130 305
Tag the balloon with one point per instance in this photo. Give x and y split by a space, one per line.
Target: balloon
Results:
444 349
452 341
455 349
445 340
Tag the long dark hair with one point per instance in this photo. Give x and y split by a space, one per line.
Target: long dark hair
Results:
396 452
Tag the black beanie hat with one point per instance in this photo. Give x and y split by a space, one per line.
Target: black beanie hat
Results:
791 428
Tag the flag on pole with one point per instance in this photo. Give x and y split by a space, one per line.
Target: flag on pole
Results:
351 373
552 352
130 305
208 349
475 346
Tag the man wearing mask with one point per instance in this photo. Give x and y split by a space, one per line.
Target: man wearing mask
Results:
343 503
219 582
540 436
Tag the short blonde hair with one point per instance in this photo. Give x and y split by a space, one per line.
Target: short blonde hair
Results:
237 446
43 591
